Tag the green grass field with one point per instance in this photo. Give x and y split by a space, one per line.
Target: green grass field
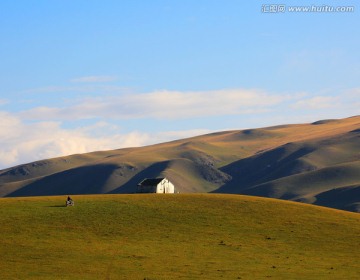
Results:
194 236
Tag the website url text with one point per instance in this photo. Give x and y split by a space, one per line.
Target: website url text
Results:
281 8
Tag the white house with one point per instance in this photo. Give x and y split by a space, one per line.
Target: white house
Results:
155 185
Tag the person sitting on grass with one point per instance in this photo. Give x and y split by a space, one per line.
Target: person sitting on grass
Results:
69 201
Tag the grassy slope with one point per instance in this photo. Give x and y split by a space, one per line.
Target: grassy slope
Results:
202 236
300 171
204 163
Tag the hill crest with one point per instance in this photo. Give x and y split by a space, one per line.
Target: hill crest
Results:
313 163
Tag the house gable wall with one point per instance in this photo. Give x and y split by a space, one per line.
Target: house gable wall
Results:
164 186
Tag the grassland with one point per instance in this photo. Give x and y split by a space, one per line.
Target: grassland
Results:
182 236
317 163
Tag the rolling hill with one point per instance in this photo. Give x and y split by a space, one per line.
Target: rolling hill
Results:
179 236
316 163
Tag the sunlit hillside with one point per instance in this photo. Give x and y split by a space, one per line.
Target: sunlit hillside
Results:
315 163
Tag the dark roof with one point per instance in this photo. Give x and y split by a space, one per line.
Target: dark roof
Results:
151 182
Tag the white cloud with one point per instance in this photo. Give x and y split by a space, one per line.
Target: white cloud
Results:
83 88
175 135
345 103
353 93
42 135
317 102
94 79
26 142
163 105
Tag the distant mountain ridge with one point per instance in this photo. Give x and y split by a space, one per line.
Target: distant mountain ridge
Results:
316 163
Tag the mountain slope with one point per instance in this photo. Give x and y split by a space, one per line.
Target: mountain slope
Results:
300 171
302 162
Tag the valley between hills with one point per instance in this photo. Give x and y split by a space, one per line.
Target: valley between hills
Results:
316 163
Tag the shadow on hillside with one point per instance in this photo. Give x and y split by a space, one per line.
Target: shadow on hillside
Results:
342 198
267 166
80 180
151 171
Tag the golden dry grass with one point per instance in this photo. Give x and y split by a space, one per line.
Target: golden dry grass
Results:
200 164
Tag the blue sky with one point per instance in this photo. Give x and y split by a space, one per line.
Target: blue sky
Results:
79 76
